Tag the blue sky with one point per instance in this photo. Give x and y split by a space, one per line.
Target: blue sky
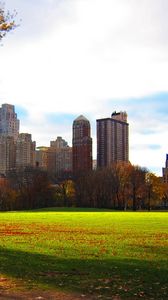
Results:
91 57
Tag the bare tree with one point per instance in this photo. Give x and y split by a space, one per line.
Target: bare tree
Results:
32 186
137 185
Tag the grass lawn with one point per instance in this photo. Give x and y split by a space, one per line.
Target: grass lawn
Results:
92 252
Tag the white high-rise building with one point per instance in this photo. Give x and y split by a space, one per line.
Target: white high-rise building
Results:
9 124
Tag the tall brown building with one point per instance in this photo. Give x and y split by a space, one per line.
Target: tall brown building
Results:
165 171
9 131
56 159
41 157
25 151
7 154
112 139
60 157
81 145
9 124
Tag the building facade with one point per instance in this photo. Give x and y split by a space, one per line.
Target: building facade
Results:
165 171
9 124
25 151
41 157
81 145
7 154
59 157
112 139
59 143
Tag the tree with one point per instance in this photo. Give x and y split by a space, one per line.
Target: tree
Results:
165 196
32 186
155 189
7 21
121 183
65 193
137 184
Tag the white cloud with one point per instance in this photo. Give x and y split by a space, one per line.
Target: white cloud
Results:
71 56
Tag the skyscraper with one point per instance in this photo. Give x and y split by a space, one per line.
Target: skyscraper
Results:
165 170
25 151
41 157
59 157
59 143
112 139
7 154
81 145
9 124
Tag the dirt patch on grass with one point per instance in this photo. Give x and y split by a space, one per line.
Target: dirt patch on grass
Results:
13 230
39 295
14 290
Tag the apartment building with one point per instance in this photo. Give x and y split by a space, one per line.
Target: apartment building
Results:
112 139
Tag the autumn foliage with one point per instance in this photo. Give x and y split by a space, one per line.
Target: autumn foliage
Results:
26 188
121 186
7 20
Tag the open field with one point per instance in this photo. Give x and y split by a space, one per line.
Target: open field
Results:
96 254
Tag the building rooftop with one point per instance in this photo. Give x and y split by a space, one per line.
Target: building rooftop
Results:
81 118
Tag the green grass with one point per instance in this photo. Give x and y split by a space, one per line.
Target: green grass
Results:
93 252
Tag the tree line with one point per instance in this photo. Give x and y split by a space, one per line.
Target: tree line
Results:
25 188
121 186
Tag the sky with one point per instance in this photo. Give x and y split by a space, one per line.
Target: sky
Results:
90 57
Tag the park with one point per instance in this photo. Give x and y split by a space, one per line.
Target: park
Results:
89 253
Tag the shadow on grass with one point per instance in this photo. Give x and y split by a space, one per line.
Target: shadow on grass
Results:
125 277
83 209
71 209
64 209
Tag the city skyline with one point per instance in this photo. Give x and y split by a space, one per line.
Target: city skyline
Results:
70 144
91 58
